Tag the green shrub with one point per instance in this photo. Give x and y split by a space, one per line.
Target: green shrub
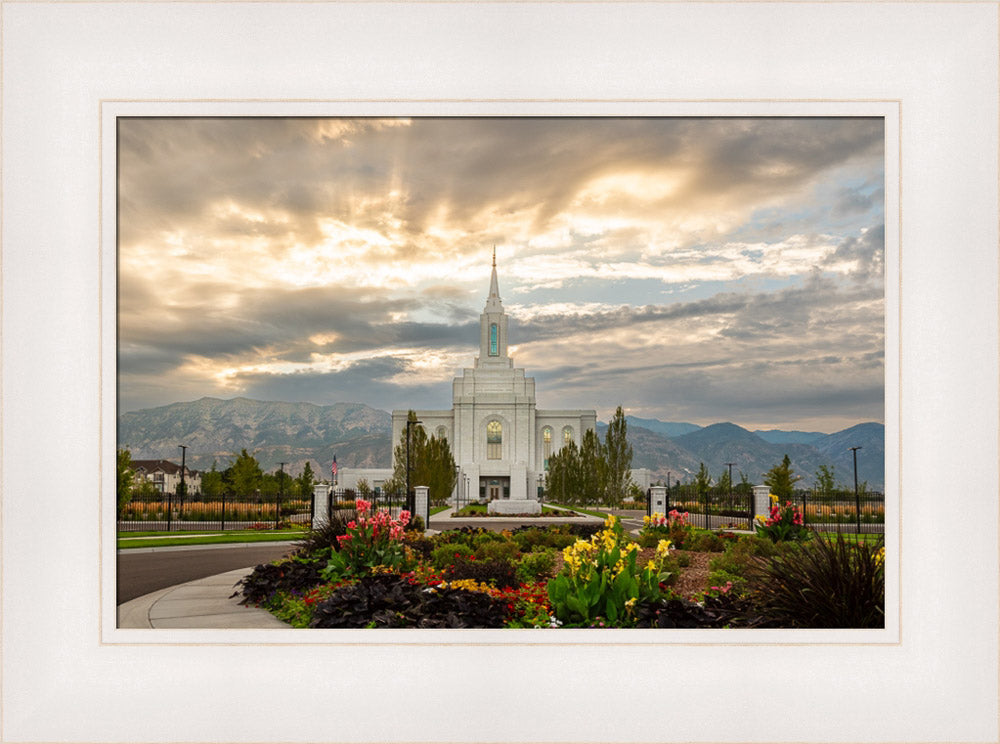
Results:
505 550
705 542
536 565
683 559
531 537
825 583
739 555
446 554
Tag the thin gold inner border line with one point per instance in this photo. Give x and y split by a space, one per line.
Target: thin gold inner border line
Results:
101 376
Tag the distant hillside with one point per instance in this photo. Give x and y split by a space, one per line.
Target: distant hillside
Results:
216 430
777 436
294 433
666 428
753 456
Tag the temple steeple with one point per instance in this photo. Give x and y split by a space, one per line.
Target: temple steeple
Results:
493 325
493 299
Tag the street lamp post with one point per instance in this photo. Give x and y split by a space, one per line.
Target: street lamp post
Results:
857 498
281 493
183 487
410 505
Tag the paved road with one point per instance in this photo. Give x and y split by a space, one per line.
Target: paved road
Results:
141 572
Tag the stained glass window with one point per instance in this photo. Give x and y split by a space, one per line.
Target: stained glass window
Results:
494 440
547 442
493 340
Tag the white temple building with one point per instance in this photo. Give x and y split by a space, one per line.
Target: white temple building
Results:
500 441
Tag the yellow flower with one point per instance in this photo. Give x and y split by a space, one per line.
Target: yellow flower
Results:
880 556
662 548
774 499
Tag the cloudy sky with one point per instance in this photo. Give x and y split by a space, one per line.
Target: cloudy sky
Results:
687 269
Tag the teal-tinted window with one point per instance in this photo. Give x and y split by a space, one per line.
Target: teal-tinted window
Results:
493 339
494 440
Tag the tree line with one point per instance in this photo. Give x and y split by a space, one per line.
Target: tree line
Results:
243 477
594 472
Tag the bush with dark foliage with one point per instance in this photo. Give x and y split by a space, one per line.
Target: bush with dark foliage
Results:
287 576
724 611
388 601
324 535
827 583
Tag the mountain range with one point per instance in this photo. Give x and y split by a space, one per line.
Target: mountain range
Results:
216 430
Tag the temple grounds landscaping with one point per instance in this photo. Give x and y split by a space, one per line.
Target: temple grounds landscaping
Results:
371 572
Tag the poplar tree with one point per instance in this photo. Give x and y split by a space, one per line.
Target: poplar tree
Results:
618 460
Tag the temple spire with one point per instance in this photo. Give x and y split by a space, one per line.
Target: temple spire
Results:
494 285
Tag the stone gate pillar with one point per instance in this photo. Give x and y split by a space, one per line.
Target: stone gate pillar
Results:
658 500
321 492
762 501
421 500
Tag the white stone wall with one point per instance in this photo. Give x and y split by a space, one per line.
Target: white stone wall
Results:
349 477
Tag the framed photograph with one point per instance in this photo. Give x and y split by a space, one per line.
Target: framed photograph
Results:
779 218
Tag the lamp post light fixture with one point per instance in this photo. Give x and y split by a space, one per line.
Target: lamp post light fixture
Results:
857 498
410 503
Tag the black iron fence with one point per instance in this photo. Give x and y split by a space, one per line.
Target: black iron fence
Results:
714 510
833 512
843 511
343 501
169 512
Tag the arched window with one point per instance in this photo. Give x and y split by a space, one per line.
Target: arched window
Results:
494 440
442 433
567 435
493 340
546 445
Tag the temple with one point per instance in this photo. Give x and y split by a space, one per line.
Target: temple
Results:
501 442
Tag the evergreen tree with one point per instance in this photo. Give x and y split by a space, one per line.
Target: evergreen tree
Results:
211 482
781 479
437 470
825 481
618 460
702 483
306 481
593 469
125 480
431 463
563 481
245 475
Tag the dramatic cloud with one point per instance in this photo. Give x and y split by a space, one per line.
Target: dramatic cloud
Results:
698 269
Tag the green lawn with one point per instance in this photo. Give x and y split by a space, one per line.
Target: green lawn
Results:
589 512
203 537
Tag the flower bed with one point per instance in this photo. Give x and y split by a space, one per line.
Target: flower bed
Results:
375 574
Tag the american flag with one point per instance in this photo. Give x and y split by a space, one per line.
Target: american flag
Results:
333 468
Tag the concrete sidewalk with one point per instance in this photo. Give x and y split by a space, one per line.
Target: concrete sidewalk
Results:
203 603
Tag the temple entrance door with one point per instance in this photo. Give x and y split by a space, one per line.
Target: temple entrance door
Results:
494 492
